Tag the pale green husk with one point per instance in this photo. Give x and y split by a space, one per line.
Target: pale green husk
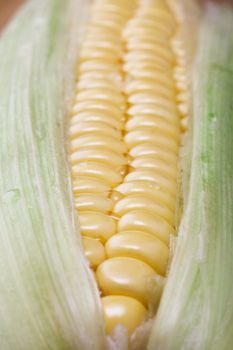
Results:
48 297
196 311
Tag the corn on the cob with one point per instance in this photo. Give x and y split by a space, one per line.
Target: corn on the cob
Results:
126 92
132 102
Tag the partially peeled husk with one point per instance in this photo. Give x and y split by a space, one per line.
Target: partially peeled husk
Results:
48 296
196 310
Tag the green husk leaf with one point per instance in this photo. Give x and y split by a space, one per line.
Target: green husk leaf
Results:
48 296
196 311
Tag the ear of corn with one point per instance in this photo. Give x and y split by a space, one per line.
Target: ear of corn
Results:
48 295
196 311
133 102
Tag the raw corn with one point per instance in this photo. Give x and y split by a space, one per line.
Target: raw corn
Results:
125 133
157 87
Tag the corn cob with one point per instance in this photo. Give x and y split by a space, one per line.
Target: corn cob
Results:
131 105
126 92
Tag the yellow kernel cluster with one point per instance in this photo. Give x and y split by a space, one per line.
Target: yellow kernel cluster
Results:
181 76
124 144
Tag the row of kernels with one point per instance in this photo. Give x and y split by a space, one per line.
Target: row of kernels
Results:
97 151
146 212
160 129
157 107
182 80
100 82
148 189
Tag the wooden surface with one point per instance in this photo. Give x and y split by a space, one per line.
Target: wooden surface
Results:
7 9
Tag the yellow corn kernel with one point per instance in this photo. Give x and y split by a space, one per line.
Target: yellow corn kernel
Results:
137 56
151 50
94 251
107 156
93 80
97 225
156 164
137 30
141 246
101 53
107 95
90 185
149 149
134 202
137 137
149 175
125 276
100 171
154 110
141 220
84 128
122 310
98 141
150 189
148 72
151 24
107 67
94 202
142 85
99 117
91 47
155 123
95 106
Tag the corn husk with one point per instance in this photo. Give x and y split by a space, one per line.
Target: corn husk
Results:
196 311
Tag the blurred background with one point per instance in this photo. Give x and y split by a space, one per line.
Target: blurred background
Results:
7 9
